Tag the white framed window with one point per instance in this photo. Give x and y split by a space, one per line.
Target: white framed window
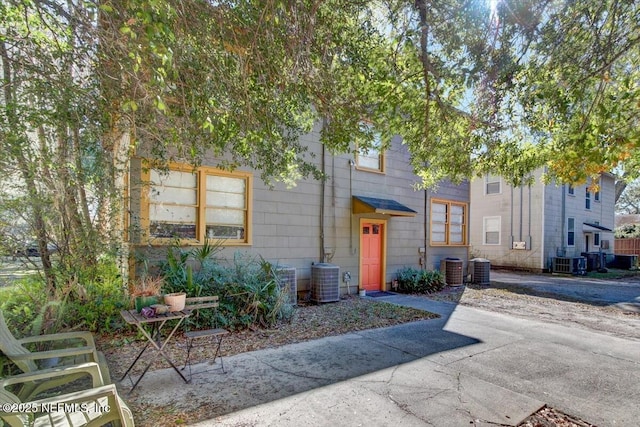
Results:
587 199
596 239
571 190
492 184
491 226
571 231
191 205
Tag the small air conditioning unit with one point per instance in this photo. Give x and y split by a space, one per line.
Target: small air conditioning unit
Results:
451 268
480 270
288 281
574 265
325 282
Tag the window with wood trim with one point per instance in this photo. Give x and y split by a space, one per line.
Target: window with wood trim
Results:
372 157
448 223
190 205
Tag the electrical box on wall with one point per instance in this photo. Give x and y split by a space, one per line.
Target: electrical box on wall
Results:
519 245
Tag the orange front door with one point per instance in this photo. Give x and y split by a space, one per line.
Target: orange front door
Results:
371 248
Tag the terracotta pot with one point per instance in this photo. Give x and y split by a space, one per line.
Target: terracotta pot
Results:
175 301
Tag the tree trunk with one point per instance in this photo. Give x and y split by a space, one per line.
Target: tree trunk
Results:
424 58
621 185
15 150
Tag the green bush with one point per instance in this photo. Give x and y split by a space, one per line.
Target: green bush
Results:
248 289
414 281
98 299
90 300
23 303
627 231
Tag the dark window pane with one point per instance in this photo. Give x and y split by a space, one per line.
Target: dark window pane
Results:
169 230
225 232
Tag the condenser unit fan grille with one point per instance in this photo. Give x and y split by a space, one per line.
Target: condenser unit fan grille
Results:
288 281
325 282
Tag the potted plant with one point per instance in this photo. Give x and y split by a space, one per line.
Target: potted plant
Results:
145 291
175 300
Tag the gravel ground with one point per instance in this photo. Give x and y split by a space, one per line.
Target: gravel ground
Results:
350 314
526 303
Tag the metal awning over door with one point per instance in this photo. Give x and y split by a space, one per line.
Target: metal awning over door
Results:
380 206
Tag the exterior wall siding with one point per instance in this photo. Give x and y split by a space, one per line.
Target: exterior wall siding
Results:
290 225
539 213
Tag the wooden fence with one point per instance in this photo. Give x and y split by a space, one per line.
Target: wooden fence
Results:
626 246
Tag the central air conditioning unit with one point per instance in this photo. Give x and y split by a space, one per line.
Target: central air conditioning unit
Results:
288 281
452 270
325 282
480 270
569 265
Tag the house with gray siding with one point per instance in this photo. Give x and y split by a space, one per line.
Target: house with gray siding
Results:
528 226
365 219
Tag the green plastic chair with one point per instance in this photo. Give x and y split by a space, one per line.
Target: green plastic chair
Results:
94 406
32 361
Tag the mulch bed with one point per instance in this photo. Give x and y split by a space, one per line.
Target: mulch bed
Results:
549 417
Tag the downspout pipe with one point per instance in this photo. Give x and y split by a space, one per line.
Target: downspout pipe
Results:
426 232
322 193
511 218
564 221
543 242
521 212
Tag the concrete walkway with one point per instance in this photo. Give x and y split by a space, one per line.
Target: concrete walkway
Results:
470 367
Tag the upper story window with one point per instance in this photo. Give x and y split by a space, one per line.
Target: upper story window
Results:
587 199
448 223
571 190
596 194
372 157
492 184
193 205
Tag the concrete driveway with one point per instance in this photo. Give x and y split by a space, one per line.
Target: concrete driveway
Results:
624 293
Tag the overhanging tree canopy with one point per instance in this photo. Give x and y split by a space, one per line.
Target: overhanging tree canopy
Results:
471 86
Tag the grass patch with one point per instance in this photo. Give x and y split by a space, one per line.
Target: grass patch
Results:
613 274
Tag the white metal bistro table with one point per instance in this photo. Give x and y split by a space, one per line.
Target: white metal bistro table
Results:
154 337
